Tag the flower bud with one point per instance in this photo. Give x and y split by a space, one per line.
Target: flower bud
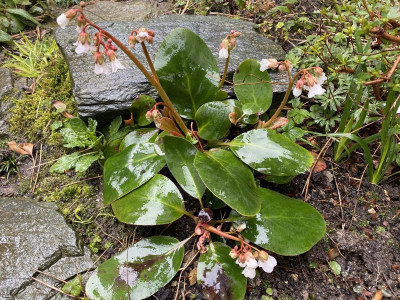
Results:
233 118
71 13
255 254
241 258
80 21
98 58
82 4
149 115
241 227
235 33
150 32
132 41
233 254
150 39
318 71
262 255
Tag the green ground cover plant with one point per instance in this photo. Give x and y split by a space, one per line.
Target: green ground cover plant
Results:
191 132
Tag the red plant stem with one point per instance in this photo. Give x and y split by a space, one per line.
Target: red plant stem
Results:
224 234
149 61
383 34
150 78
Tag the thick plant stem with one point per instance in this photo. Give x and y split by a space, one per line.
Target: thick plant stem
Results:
149 77
285 99
221 83
149 61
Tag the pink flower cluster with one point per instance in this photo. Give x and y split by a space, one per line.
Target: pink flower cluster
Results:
311 83
250 261
228 44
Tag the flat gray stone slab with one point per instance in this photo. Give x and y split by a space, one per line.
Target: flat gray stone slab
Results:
100 96
34 236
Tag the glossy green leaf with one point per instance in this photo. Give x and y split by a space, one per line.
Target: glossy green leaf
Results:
156 202
140 106
129 169
213 120
23 14
139 136
138 272
212 201
284 225
252 87
221 95
228 179
180 154
271 153
187 70
219 275
113 141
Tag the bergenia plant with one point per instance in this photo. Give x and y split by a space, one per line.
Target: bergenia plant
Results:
214 148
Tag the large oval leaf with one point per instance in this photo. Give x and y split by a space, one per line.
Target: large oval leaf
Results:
284 225
187 70
271 153
138 272
252 87
229 179
129 169
156 202
139 136
213 120
180 154
219 275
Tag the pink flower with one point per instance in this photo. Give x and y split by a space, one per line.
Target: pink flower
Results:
266 64
65 18
100 66
83 43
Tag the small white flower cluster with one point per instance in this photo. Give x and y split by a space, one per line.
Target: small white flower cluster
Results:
310 83
228 44
249 262
272 64
140 36
83 44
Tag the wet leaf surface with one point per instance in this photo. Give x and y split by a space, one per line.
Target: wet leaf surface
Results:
156 202
284 225
228 179
138 272
187 71
252 87
139 136
129 169
180 154
271 153
219 275
213 120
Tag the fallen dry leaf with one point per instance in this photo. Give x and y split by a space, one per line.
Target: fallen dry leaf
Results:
279 122
62 107
129 121
193 277
23 149
333 253
378 295
321 164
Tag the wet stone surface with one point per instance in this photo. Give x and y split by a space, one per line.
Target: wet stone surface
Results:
34 236
6 85
98 95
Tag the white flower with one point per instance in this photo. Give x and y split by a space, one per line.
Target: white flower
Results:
241 227
142 36
398 110
268 264
314 90
62 20
264 64
115 65
223 53
249 272
297 91
82 48
101 69
79 29
242 265
321 79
